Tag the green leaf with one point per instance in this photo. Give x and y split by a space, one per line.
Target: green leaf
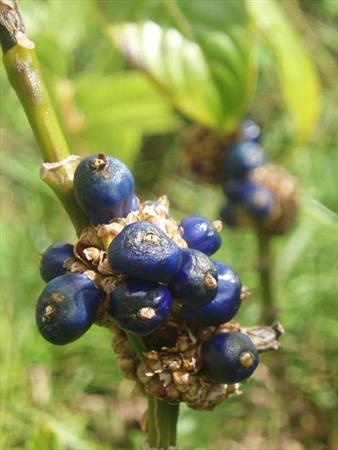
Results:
298 77
204 64
118 110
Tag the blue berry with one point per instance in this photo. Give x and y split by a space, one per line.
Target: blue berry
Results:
243 157
200 234
195 283
139 306
237 189
53 260
251 131
223 307
259 202
67 307
228 215
229 357
104 188
142 250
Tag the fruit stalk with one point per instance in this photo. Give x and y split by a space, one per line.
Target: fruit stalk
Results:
25 76
162 424
265 269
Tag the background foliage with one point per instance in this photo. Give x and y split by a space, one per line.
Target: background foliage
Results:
72 397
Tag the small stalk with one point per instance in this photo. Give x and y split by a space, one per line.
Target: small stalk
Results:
162 424
265 269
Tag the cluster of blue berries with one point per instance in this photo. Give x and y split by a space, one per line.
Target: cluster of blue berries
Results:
138 269
259 195
240 159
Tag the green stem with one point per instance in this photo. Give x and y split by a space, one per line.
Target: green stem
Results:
162 423
25 76
265 268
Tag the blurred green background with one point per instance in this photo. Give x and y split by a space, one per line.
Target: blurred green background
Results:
73 397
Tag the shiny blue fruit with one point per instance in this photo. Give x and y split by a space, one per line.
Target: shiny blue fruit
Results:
259 202
53 260
238 189
200 234
243 157
223 307
139 306
104 188
195 283
250 131
142 250
230 357
67 307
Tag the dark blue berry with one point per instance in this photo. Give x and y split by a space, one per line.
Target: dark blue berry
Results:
223 307
228 215
195 283
139 306
104 188
229 357
53 260
251 131
243 157
142 250
200 234
67 307
259 202
237 189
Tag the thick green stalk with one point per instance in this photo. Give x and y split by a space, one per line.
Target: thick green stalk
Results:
265 269
25 76
24 73
162 423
